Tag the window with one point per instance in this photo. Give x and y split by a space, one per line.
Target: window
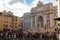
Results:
29 23
12 16
5 15
41 20
15 23
33 21
0 14
48 15
48 20
16 20
24 24
11 22
11 26
41 24
12 19
5 25
5 21
9 15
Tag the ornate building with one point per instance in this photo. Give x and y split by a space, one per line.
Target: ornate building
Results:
42 17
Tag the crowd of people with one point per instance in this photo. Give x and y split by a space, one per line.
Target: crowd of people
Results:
20 35
16 34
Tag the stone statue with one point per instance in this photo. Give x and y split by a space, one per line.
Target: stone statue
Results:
40 3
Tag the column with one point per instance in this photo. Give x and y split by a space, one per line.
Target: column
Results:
36 28
58 7
31 21
35 21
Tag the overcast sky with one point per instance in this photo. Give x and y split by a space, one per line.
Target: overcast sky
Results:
19 7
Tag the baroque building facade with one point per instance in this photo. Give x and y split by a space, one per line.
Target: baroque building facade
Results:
42 17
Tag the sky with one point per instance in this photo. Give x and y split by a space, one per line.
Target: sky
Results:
19 7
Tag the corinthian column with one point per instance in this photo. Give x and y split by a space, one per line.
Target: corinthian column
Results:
31 21
35 21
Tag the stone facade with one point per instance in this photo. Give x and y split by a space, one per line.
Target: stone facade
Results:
58 7
26 21
42 17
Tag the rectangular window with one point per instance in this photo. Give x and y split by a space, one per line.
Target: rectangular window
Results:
29 24
12 16
0 13
5 25
11 26
9 15
5 15
15 23
12 19
48 15
33 20
5 21
16 19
